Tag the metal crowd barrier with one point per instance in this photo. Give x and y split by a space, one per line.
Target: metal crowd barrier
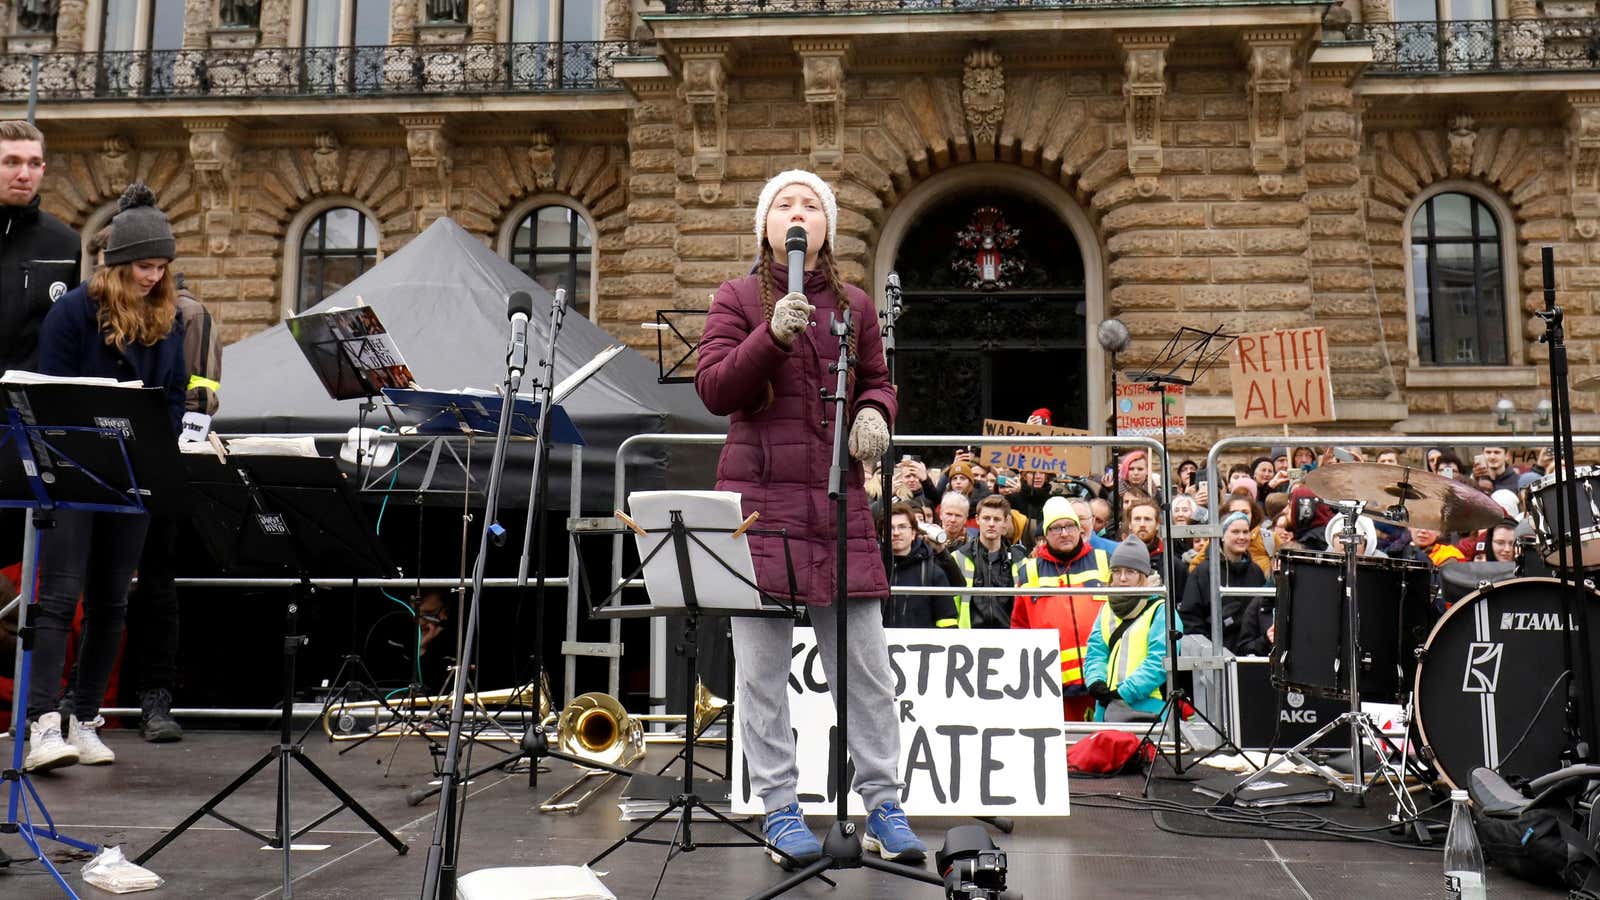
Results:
658 627
1218 494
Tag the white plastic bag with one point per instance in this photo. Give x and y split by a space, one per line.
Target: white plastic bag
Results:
111 871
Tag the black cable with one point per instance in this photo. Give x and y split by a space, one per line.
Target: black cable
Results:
1299 821
1528 729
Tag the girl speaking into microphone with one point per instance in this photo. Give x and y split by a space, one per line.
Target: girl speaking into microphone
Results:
122 324
764 362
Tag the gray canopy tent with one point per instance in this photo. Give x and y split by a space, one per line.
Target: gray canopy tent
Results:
443 299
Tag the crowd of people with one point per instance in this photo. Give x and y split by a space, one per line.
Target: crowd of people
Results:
970 525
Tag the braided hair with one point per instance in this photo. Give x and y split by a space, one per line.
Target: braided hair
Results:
841 300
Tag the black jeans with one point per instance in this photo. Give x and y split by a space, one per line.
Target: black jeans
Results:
153 610
92 554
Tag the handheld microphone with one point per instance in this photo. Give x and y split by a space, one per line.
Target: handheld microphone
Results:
519 307
795 243
893 292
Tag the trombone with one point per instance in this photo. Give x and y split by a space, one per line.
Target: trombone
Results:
342 721
596 727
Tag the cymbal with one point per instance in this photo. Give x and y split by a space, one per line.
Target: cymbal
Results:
1408 497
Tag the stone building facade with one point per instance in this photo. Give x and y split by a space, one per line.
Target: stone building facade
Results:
1195 164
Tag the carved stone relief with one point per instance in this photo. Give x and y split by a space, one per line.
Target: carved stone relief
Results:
213 151
822 63
328 159
542 158
71 18
1583 147
705 90
428 148
1463 139
1144 86
983 93
116 161
1270 61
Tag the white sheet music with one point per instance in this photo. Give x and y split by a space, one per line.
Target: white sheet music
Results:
714 585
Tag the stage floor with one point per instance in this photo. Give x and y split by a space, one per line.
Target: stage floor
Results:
152 787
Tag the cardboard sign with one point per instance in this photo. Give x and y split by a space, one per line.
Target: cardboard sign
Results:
1056 460
1282 376
1138 411
980 724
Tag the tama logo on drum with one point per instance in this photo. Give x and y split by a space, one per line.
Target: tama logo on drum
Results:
1522 621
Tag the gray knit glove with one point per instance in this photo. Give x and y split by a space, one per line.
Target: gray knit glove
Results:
790 316
869 436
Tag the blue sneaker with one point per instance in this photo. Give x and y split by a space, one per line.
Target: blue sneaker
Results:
890 835
786 830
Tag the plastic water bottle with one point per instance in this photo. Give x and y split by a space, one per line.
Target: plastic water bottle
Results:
1463 855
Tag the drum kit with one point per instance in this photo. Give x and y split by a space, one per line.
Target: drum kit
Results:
1479 683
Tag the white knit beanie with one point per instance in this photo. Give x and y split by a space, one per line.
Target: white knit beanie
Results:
830 205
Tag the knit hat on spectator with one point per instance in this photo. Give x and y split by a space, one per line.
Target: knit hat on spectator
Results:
958 468
830 205
1058 508
1131 554
139 230
1042 414
1127 461
1508 501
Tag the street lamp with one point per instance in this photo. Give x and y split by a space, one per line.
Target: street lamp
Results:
1505 412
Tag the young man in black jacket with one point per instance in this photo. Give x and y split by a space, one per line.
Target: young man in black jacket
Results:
38 263
914 566
989 561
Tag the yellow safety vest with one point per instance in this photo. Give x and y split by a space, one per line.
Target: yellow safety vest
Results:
197 381
970 572
1129 653
1072 657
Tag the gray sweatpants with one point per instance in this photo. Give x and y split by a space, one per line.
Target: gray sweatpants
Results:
762 647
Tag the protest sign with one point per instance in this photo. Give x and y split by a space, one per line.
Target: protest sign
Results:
980 724
1057 460
1282 376
1139 414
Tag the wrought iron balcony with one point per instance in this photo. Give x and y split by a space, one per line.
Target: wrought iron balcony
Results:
1513 45
826 7
321 72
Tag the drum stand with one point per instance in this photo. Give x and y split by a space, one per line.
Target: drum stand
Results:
1362 730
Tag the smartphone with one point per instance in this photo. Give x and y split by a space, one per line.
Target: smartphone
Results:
1205 488
910 458
1003 480
1343 455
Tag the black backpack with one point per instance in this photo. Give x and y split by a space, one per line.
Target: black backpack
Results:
1552 841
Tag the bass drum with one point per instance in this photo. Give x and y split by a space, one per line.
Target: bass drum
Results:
1490 689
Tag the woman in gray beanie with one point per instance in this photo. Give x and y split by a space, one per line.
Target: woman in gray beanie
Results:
120 324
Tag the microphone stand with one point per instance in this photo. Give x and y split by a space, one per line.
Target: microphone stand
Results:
1580 704
889 317
841 849
439 872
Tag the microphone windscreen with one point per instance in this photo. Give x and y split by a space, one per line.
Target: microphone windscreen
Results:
1113 336
894 280
795 239
519 302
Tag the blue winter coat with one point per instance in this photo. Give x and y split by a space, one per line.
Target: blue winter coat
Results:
71 343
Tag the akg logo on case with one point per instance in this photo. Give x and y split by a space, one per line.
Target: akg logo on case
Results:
57 290
1295 699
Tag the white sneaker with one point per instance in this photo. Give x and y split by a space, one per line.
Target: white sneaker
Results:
84 738
46 749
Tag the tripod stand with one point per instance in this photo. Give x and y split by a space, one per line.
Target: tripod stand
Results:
1181 362
281 513
687 547
55 475
1362 729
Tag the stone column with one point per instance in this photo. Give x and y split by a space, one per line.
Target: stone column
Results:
71 20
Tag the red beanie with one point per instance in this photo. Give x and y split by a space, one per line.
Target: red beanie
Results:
1042 413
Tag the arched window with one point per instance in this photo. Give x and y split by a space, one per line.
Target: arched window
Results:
1458 283
553 245
337 246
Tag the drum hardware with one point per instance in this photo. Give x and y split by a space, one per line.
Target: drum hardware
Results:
1363 733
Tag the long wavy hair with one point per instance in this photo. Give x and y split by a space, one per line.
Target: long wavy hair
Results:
128 316
841 300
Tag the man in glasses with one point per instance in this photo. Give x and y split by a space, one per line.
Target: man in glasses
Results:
1065 560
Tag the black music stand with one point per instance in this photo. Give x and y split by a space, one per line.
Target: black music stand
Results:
44 467
276 515
682 538
1181 362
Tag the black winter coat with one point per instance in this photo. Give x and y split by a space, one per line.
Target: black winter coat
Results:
1196 607
38 264
918 569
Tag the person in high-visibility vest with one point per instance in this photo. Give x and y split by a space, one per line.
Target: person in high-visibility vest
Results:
1065 560
1125 665
989 561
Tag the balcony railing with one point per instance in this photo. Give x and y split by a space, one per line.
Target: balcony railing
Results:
1515 45
826 7
264 72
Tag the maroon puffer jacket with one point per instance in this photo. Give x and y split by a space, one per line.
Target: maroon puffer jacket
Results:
778 458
